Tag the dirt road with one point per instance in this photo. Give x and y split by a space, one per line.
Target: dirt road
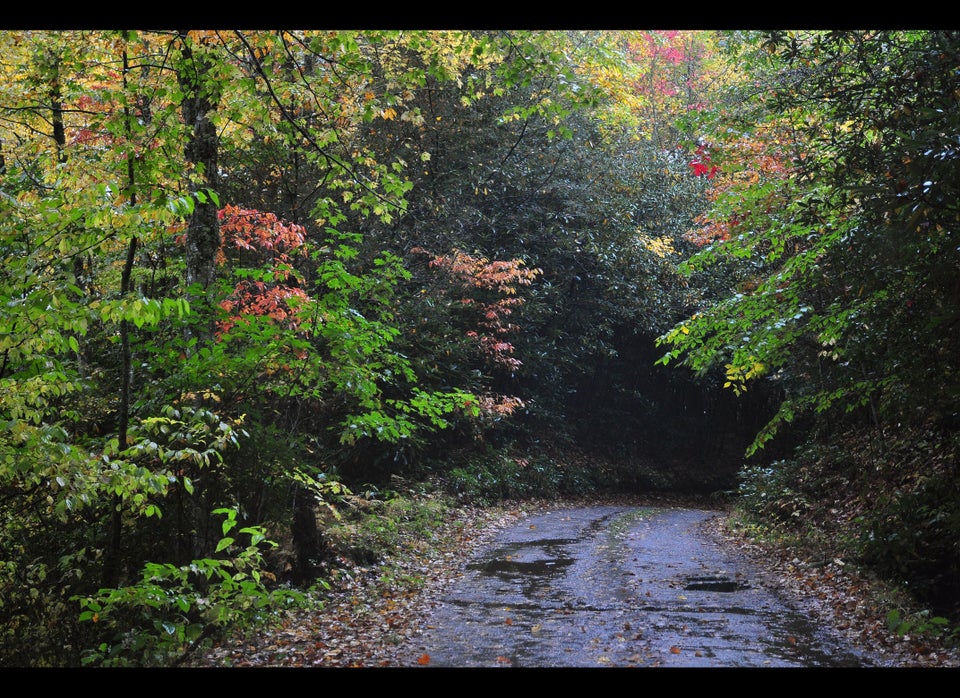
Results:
621 586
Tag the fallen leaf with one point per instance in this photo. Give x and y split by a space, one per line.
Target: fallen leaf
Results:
424 659
508 621
674 650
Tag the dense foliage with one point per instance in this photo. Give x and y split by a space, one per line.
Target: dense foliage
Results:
852 304
254 279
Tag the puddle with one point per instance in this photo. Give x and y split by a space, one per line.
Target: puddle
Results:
714 583
508 568
801 640
530 568
538 558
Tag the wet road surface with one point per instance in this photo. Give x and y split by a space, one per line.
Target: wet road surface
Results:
620 586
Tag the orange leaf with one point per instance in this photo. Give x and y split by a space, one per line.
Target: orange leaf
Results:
424 659
674 650
509 621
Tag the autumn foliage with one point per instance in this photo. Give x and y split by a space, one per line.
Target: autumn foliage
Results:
260 239
749 163
476 274
489 292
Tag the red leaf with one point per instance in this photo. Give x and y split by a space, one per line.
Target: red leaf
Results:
699 168
424 659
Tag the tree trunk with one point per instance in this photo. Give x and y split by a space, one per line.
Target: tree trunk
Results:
307 540
111 565
201 151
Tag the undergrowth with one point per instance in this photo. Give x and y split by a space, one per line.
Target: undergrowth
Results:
888 504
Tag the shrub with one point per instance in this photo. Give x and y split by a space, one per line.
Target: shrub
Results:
173 611
771 493
912 537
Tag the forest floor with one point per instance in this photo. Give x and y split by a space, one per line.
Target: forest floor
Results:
374 614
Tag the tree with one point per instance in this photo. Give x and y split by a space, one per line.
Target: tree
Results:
116 147
851 302
846 236
78 209
201 95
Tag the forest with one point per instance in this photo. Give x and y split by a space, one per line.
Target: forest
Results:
269 295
